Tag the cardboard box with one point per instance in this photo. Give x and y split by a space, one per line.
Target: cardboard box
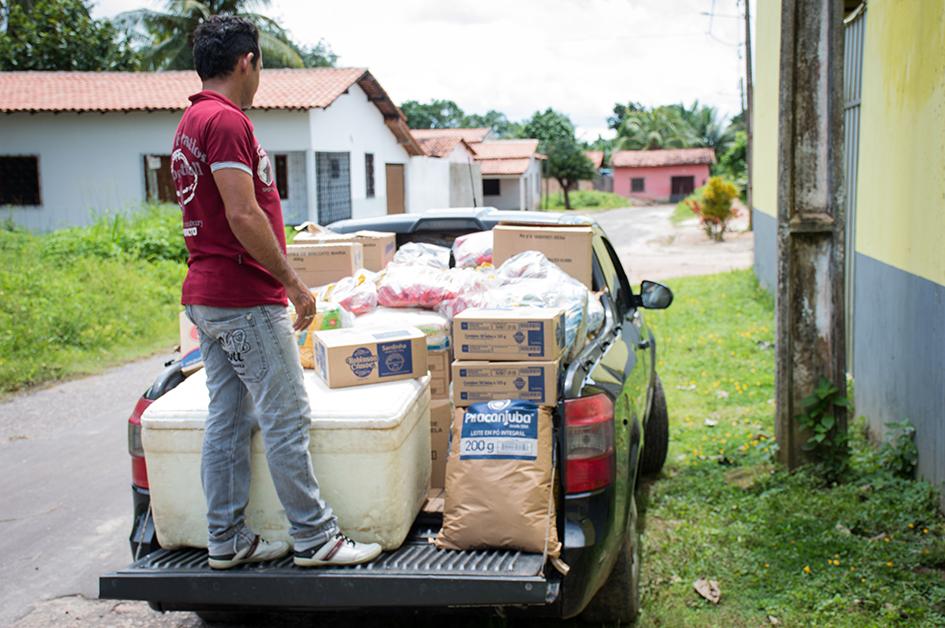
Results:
476 381
353 357
439 364
378 246
521 333
321 264
568 246
441 411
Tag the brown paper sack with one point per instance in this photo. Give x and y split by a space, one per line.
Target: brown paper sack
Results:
493 502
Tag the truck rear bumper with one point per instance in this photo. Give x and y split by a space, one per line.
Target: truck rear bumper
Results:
416 575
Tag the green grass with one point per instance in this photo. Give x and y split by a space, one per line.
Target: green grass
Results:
77 300
585 199
872 546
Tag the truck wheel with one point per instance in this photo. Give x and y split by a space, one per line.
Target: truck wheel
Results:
619 599
656 433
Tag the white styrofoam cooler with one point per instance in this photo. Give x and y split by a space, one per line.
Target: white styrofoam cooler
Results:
370 448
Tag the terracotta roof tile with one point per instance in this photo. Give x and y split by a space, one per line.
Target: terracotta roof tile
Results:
163 91
503 166
596 157
442 146
507 149
663 157
471 136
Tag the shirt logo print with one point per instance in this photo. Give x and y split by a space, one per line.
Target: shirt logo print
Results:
185 177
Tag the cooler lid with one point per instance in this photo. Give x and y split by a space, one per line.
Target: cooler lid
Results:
370 407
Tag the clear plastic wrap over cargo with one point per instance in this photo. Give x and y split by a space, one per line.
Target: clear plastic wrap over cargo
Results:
422 254
357 294
435 326
595 313
426 287
473 249
529 278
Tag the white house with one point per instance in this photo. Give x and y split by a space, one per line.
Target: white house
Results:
75 144
448 175
511 169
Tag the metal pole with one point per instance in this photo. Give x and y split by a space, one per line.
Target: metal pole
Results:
748 113
811 234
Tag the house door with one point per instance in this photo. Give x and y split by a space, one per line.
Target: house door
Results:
158 184
333 182
395 188
681 187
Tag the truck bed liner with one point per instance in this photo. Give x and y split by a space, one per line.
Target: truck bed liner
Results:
416 574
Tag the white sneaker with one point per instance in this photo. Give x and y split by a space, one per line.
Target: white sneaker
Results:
338 550
260 550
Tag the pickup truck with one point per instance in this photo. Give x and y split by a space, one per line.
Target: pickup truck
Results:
611 427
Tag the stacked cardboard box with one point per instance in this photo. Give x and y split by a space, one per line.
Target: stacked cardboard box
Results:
441 409
568 246
378 246
507 354
320 264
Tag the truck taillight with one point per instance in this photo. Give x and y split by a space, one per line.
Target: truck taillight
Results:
589 433
139 470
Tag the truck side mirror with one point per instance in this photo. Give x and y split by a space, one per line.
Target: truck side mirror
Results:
653 296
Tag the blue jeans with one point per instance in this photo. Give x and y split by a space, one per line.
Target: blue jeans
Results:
255 380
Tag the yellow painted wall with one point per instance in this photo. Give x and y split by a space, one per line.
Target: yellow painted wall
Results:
900 215
765 107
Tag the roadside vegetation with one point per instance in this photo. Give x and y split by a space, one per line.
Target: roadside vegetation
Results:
77 300
786 549
585 199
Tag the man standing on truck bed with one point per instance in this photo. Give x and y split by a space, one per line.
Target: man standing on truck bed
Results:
236 290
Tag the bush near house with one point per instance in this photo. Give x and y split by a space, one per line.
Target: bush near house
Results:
715 208
585 199
79 299
786 548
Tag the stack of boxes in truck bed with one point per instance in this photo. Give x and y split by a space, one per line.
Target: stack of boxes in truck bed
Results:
507 354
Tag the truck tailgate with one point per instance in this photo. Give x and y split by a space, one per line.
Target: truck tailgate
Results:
415 575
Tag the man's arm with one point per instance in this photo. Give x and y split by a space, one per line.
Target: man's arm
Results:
254 231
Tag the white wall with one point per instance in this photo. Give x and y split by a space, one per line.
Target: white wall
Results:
533 181
508 197
428 184
89 163
354 125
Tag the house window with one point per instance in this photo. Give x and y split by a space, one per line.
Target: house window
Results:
637 184
369 174
158 182
19 181
282 176
490 187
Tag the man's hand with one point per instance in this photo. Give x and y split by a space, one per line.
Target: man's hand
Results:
304 302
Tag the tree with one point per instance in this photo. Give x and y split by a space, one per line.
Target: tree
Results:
568 164
61 35
708 128
660 127
549 127
318 56
732 163
167 36
495 120
437 114
621 112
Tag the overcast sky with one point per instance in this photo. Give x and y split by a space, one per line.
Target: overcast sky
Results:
518 56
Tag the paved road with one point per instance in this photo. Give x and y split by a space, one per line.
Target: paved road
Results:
64 476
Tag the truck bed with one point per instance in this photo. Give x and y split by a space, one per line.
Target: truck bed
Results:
415 575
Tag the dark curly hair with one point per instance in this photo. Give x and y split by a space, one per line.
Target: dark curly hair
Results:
220 42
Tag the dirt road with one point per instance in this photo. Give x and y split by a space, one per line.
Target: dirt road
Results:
651 247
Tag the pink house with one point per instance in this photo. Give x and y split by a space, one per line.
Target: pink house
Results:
661 175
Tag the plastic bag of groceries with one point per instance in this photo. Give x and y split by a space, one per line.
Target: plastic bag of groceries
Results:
435 326
357 294
425 286
529 278
328 316
595 314
473 249
422 254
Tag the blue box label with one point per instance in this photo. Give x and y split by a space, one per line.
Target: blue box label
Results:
394 358
362 362
499 430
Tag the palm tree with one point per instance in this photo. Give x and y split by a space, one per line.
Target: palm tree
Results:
660 127
708 127
167 36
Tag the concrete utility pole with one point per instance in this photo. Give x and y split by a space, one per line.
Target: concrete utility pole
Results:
748 111
810 319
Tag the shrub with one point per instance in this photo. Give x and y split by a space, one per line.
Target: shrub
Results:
715 209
